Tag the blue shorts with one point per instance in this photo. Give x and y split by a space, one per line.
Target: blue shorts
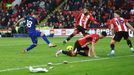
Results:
34 35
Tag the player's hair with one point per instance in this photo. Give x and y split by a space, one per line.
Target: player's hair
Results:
117 12
103 33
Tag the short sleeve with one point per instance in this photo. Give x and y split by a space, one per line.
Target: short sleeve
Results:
92 18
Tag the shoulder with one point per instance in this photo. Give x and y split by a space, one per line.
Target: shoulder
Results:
27 17
125 20
92 36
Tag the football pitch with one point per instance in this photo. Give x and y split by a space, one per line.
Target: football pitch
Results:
14 62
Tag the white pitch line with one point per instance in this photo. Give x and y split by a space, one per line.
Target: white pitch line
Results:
96 59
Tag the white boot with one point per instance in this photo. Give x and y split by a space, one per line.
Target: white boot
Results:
58 53
51 45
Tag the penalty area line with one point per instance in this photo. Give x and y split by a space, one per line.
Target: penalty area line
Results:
95 59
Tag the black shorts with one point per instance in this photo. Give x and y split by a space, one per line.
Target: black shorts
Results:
81 29
118 36
79 48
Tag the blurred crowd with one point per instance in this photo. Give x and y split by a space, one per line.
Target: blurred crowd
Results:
102 10
65 16
11 15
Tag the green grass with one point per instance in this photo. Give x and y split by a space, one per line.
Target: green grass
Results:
11 57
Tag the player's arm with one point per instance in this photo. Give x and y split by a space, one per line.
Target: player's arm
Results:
89 52
93 20
129 26
93 49
22 19
112 28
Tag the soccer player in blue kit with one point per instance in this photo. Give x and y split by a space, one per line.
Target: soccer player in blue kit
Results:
31 22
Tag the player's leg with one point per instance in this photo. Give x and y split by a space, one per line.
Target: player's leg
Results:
117 37
130 44
46 39
127 38
70 52
82 30
65 52
85 51
112 46
70 36
34 40
73 52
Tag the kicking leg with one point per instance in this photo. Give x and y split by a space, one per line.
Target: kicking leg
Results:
70 36
34 40
117 37
46 40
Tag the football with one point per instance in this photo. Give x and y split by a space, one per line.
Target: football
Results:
69 47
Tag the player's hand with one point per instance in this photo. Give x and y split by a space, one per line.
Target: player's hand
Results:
97 23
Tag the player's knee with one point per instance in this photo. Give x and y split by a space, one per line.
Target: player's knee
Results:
71 53
75 32
42 34
34 44
128 39
79 27
84 34
113 41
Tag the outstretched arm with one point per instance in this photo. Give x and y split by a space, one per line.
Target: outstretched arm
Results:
129 26
93 20
19 21
112 28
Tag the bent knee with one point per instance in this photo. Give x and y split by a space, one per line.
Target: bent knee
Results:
34 44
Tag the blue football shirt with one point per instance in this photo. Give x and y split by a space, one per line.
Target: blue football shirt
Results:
31 23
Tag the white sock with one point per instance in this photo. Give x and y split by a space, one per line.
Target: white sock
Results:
112 52
61 50
132 49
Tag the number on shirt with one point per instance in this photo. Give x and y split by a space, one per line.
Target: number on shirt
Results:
29 23
119 22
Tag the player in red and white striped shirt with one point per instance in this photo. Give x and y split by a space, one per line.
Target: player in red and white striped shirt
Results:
82 22
119 27
81 45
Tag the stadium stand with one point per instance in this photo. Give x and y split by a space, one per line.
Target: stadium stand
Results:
64 17
102 10
10 15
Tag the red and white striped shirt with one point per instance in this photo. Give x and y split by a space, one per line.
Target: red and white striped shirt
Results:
119 24
88 39
84 20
